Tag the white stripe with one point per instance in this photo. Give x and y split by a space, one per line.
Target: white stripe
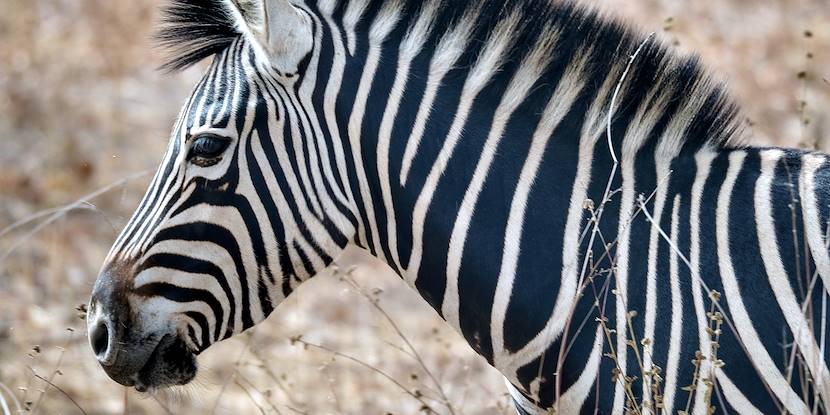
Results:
740 317
651 278
522 81
814 229
197 333
641 126
676 313
557 108
230 77
667 150
778 277
815 233
293 119
353 14
449 50
593 128
410 47
381 27
703 161
306 92
266 227
621 280
526 404
330 102
733 395
161 306
574 397
487 65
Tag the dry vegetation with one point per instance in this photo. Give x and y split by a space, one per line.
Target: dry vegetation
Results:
83 109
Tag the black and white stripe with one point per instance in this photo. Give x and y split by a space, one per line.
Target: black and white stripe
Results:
467 144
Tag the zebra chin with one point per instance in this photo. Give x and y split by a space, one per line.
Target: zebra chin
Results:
171 364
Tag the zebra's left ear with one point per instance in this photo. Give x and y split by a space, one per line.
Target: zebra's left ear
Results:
282 31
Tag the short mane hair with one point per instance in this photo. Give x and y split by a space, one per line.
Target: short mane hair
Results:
192 30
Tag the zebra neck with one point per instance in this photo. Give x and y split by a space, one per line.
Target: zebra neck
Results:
516 193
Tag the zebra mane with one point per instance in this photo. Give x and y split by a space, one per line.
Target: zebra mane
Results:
192 30
666 98
660 89
659 80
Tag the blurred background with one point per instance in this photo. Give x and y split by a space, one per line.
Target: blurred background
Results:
84 118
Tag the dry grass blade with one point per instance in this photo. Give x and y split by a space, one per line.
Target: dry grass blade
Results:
617 88
4 405
5 391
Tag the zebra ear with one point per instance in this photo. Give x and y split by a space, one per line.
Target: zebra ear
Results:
282 31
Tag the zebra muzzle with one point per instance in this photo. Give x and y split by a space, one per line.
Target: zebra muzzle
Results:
130 354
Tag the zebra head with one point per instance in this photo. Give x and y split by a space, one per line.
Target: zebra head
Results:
230 223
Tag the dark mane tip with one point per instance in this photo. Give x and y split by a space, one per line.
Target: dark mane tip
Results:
191 30
719 122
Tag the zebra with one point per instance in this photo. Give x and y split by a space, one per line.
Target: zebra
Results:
576 199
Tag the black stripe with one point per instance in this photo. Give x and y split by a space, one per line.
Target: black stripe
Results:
184 295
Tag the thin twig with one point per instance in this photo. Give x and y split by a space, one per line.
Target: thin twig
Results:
57 213
241 376
376 304
162 405
247 392
279 383
617 91
705 286
605 198
235 369
418 397
55 371
58 388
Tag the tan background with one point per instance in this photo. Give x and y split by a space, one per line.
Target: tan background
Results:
82 107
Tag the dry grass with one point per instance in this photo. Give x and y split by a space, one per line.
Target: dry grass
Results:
82 107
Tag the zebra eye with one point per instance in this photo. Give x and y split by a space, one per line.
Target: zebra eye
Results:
206 149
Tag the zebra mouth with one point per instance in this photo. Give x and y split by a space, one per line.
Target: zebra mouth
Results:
170 363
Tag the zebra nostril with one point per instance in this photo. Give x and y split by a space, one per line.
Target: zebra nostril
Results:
100 340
